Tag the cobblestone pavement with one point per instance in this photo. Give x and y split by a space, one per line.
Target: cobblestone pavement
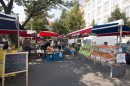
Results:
70 72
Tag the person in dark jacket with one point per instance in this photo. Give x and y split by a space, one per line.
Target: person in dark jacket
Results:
27 46
45 45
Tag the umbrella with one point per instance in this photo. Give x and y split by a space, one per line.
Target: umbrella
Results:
48 33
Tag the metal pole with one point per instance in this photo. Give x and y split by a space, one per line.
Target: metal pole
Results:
17 25
35 43
117 40
31 28
120 37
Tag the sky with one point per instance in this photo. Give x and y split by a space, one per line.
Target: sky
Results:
20 11
22 16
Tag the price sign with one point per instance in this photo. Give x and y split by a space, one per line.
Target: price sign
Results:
120 58
103 59
98 58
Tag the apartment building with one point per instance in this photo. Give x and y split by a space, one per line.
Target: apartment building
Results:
100 10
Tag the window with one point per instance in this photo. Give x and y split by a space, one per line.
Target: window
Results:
85 1
127 11
99 1
115 2
93 14
105 19
124 0
99 10
88 6
93 3
106 6
99 21
88 17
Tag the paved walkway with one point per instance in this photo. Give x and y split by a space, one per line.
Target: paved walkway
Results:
69 72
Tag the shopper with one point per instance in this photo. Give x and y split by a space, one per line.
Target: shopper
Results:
59 45
105 43
27 46
56 42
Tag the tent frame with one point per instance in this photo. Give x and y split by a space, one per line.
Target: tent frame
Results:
120 25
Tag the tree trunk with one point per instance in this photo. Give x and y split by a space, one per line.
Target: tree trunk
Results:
28 18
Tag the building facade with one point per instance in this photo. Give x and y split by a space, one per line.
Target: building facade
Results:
100 10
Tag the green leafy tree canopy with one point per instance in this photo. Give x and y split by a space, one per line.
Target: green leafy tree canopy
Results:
74 20
93 23
33 7
59 24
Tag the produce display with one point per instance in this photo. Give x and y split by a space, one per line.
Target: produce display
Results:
105 53
109 59
100 52
86 50
50 50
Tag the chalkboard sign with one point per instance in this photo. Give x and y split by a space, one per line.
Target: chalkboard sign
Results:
15 62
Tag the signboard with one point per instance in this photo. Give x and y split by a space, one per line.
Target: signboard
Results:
87 41
31 31
120 58
15 63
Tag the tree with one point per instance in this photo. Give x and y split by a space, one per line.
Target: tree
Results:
117 14
74 20
37 23
93 23
59 24
33 7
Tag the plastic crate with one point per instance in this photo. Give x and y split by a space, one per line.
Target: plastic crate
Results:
49 57
58 56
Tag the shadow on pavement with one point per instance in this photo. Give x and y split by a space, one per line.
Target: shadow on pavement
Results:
70 72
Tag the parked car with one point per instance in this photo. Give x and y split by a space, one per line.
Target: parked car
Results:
126 50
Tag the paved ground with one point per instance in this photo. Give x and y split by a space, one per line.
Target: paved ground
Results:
69 72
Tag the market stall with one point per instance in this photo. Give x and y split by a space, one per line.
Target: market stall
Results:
51 54
108 58
8 25
78 35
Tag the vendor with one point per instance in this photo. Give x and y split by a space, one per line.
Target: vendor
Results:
50 50
105 43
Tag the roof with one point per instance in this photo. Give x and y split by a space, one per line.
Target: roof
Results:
82 31
110 29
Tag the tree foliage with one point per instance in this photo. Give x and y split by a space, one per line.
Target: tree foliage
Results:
74 20
37 23
41 7
59 25
69 21
93 23
117 14
33 7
